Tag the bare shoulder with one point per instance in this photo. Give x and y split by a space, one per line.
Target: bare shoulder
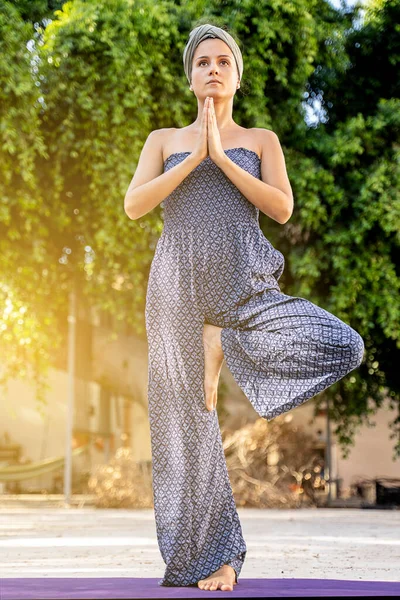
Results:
159 137
151 163
177 139
267 139
273 165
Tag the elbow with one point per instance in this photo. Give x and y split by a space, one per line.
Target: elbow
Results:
130 215
285 216
287 212
128 208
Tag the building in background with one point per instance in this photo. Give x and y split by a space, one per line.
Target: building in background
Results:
111 411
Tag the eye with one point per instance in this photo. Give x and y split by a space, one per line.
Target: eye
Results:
223 60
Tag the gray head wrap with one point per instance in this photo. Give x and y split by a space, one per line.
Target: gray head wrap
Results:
203 32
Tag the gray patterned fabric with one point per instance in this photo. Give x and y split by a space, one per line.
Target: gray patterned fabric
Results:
213 264
201 33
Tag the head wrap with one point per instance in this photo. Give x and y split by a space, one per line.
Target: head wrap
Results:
203 32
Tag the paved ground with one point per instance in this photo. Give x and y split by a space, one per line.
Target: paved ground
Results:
310 543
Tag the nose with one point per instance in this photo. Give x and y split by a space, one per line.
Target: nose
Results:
213 69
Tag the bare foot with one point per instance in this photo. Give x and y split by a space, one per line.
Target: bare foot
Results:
213 359
223 579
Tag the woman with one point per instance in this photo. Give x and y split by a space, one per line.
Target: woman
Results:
213 294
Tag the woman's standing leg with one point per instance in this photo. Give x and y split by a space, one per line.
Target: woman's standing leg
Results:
197 524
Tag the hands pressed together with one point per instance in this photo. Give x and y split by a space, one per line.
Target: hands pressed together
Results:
209 141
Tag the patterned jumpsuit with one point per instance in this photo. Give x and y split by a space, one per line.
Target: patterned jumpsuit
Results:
213 264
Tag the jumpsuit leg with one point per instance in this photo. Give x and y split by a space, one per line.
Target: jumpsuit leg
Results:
282 350
198 528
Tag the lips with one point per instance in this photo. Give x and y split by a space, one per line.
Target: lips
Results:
214 81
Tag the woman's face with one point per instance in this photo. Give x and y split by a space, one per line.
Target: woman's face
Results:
213 59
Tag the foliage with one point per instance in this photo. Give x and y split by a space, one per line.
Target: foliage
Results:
122 482
273 465
83 86
270 465
25 348
342 243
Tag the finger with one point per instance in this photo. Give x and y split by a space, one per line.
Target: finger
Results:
212 118
209 120
208 109
215 120
204 115
212 111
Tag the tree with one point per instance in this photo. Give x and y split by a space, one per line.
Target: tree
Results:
100 76
25 340
343 242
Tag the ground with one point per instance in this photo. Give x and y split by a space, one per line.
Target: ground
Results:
356 544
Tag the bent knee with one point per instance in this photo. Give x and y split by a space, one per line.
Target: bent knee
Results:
355 349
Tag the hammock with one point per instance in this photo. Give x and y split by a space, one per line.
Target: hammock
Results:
22 472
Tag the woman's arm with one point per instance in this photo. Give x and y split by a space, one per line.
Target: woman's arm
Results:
149 185
273 193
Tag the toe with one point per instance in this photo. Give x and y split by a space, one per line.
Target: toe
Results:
226 586
214 586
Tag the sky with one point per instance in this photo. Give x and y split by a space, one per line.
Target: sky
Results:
336 3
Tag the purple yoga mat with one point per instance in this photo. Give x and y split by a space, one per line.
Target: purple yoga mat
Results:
121 587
